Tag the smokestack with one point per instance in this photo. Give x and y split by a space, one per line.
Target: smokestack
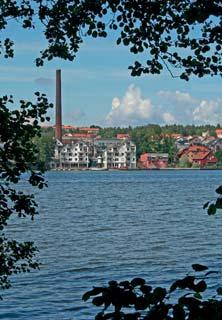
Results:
58 129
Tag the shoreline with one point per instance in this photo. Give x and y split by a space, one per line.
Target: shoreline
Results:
137 169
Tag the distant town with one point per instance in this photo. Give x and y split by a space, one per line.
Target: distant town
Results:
67 147
145 147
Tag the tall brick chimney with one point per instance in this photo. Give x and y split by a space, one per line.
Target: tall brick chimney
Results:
58 115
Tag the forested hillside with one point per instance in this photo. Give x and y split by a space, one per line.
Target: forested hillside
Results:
148 138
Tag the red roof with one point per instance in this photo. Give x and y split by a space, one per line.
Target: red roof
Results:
219 131
122 136
195 148
175 135
79 135
208 157
88 129
143 157
213 160
200 155
66 127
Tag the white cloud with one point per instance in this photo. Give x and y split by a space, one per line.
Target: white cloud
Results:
187 109
177 97
168 118
208 111
131 109
173 107
115 103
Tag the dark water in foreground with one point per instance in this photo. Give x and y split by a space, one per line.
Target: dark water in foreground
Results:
98 226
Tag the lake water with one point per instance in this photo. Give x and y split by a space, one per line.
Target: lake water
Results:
98 226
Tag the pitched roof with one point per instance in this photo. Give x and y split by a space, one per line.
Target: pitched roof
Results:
122 135
200 155
88 129
197 148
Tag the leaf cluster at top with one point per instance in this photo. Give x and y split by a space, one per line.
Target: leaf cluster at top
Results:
179 35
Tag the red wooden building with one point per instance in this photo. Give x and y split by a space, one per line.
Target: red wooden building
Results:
153 161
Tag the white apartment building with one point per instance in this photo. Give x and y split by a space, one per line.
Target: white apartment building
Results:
120 155
73 155
102 153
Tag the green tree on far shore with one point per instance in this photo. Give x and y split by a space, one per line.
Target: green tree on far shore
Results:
45 145
218 155
184 162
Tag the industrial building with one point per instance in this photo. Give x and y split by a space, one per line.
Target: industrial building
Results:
88 150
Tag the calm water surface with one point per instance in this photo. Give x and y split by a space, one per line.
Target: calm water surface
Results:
98 226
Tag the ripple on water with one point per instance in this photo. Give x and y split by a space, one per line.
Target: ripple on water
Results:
95 227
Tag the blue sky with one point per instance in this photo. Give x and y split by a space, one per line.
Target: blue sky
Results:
97 87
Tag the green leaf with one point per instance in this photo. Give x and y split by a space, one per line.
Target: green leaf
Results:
137 282
218 203
86 296
141 303
163 47
94 34
178 312
198 267
158 294
146 289
219 190
184 76
98 301
201 286
219 291
206 205
197 295
93 292
113 283
126 41
118 41
211 209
